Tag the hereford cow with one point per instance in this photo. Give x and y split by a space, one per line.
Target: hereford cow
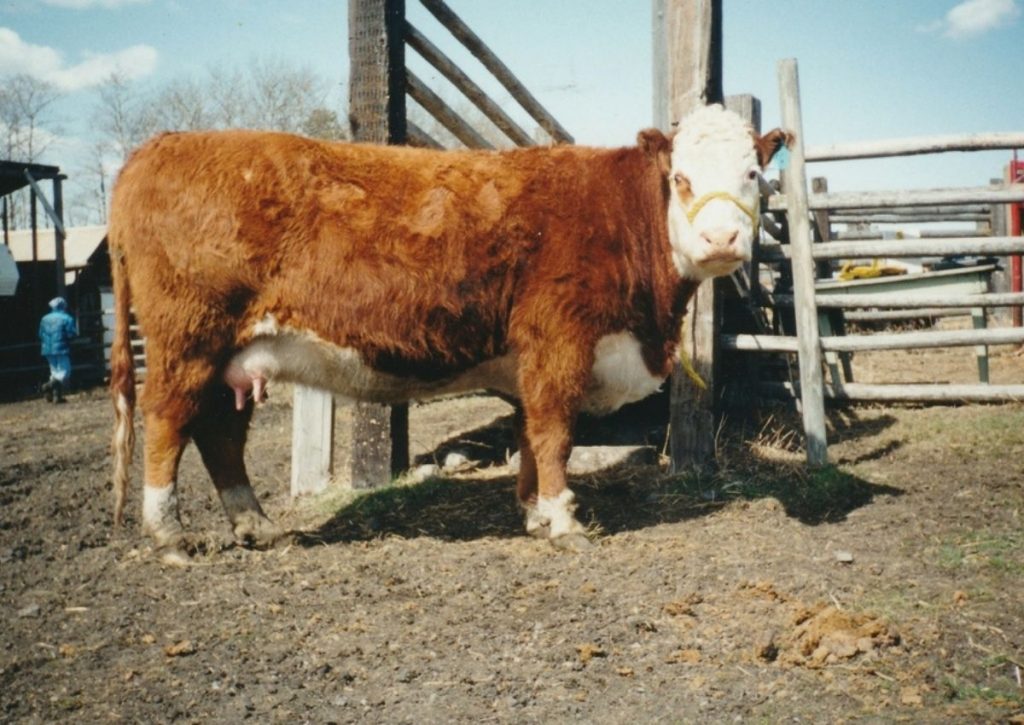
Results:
557 276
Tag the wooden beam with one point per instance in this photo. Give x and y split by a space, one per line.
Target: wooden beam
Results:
905 392
901 248
997 194
376 72
794 179
913 146
433 55
491 62
888 341
436 107
688 70
687 58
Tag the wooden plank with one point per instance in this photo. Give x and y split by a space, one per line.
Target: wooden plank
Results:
444 113
913 146
687 41
888 341
886 299
794 180
866 248
760 343
904 392
416 136
906 217
433 55
491 62
856 234
688 58
312 440
924 339
996 194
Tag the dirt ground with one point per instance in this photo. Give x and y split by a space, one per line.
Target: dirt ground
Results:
887 587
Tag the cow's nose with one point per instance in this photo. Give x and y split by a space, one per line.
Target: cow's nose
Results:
720 237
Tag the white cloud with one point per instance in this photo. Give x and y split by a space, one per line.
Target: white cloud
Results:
974 17
87 4
40 61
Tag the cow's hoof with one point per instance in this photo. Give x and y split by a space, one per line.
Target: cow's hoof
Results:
174 556
576 542
176 550
253 530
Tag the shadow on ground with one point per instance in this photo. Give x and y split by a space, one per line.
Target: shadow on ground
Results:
619 499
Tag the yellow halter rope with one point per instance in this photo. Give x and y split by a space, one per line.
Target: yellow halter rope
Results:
694 210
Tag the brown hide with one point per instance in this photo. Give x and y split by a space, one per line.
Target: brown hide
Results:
426 262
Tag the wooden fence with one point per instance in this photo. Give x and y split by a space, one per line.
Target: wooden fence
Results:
810 298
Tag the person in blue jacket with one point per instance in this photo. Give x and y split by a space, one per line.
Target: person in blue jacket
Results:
56 331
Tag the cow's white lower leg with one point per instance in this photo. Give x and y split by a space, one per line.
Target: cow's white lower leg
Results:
161 521
250 524
554 518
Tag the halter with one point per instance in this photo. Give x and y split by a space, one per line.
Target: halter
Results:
694 210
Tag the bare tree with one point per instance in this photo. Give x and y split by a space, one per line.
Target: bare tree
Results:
25 102
267 94
123 118
282 97
182 105
28 130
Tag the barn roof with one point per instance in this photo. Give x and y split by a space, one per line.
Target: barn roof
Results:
79 244
12 174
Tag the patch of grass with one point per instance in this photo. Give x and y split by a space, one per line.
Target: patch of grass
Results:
999 551
968 692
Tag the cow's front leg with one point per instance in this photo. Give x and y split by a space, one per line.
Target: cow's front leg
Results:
550 401
526 482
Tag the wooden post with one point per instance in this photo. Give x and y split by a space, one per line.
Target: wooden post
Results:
687 75
312 440
376 115
794 179
58 233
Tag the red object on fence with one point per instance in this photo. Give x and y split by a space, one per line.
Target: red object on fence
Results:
1015 174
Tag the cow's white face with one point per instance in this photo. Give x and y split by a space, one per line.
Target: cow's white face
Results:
713 210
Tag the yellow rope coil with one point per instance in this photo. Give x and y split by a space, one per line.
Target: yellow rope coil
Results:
694 210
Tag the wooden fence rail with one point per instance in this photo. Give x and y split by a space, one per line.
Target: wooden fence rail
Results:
996 194
914 146
901 248
973 204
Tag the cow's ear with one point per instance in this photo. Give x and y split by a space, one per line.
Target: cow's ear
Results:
658 146
770 143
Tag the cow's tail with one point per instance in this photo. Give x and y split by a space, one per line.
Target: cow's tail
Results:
122 383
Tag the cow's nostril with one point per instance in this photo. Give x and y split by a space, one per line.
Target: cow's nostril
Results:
720 237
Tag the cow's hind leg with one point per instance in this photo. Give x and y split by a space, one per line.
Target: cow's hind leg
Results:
164 443
220 432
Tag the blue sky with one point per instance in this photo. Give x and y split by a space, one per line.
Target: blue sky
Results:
869 68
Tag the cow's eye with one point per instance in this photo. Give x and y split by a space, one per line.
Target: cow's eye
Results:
752 175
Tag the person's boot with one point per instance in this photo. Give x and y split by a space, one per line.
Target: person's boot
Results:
58 392
47 388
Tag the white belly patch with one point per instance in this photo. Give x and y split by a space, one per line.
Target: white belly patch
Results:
302 357
619 374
